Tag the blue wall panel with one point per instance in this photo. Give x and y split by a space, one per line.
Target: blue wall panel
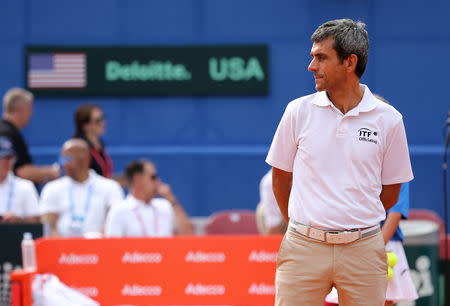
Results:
212 149
74 22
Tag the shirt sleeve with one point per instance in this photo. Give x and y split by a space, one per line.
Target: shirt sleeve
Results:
271 211
50 200
115 194
114 223
31 200
396 163
284 146
402 206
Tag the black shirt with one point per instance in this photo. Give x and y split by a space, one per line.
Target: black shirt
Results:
23 157
101 162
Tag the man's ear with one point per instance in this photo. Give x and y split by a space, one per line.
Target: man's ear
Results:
350 62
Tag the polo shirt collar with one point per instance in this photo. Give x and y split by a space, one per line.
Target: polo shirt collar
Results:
367 103
138 203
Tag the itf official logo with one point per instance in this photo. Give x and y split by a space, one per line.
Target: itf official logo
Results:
367 135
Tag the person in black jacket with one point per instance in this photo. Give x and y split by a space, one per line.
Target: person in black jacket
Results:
17 111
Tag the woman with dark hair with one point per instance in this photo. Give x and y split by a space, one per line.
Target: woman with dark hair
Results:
90 126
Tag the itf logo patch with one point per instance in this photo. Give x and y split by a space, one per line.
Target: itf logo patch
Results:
367 135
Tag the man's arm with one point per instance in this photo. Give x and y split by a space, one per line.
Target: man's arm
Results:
38 174
183 225
389 195
390 225
51 218
280 229
9 217
282 184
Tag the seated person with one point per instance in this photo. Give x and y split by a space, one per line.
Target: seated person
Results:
18 196
268 216
77 203
144 215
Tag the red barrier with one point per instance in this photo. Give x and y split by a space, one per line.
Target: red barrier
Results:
21 287
210 270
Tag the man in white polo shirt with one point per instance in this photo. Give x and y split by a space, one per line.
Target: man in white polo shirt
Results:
346 155
268 216
18 196
143 214
76 205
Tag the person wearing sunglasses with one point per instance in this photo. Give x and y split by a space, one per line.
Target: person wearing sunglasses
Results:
18 197
76 204
150 210
90 125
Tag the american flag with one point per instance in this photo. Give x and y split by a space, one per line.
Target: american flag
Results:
57 70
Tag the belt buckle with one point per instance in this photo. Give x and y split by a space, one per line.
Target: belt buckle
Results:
341 237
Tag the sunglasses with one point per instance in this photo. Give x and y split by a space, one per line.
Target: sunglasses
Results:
99 119
154 177
65 159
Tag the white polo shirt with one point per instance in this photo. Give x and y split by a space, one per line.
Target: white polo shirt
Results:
271 211
134 218
18 196
84 205
340 162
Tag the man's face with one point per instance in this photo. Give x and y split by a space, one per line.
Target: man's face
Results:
72 160
26 111
150 180
328 71
6 165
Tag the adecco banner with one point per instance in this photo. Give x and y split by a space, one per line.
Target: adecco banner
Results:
216 270
147 71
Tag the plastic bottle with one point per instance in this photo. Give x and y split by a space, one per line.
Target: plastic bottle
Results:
28 252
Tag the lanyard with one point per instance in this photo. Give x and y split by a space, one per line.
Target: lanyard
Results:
142 223
86 204
12 186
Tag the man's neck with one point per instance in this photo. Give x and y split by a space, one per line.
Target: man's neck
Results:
346 99
140 196
81 177
13 119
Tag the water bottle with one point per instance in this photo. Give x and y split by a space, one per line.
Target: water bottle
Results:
28 252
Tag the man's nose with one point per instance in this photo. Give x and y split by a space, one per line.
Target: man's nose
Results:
312 66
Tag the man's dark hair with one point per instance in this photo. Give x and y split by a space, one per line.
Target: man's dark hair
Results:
133 168
350 37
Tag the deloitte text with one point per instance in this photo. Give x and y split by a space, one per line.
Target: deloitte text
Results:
151 71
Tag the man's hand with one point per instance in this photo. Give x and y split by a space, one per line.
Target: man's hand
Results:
9 217
165 191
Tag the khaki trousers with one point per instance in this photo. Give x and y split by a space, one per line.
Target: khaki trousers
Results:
307 269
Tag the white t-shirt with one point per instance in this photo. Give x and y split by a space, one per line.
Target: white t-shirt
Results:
82 207
340 162
134 218
271 211
19 196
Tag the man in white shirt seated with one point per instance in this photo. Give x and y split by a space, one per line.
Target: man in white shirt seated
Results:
143 215
18 196
268 215
76 204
